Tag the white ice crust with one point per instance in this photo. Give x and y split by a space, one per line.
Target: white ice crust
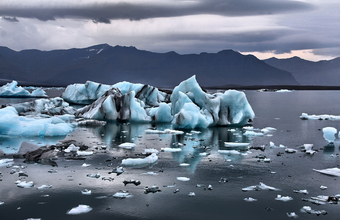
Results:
190 106
13 90
14 125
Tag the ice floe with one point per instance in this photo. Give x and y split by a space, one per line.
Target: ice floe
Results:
330 171
305 116
184 179
24 184
127 145
86 192
249 199
140 162
236 144
121 195
283 198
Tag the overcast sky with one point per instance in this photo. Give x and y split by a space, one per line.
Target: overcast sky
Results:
282 28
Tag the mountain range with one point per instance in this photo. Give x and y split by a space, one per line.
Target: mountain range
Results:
111 64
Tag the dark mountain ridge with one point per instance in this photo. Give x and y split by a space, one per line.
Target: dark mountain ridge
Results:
106 64
321 73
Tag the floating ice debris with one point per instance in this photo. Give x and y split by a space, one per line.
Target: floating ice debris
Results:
323 187
130 162
290 150
80 209
209 187
184 164
6 162
308 149
150 151
253 133
292 215
127 145
191 194
305 116
261 186
266 160
329 134
24 184
117 170
330 171
44 187
121 195
169 149
93 175
13 90
151 173
271 144
1 202
303 191
52 171
223 180
33 219
176 190
283 198
166 131
249 199
233 152
90 122
84 153
235 144
262 147
170 186
204 154
309 210
86 165
86 192
152 189
70 148
183 179
135 182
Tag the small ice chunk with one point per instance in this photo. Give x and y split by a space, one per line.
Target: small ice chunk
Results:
329 134
127 145
253 133
118 170
249 199
140 161
152 189
168 149
308 148
150 151
271 144
85 165
80 209
323 187
24 184
290 150
70 148
184 164
1 202
266 187
44 187
183 179
292 215
303 191
121 195
330 171
249 188
234 152
86 192
235 144
283 198
84 153
93 175
191 194
267 160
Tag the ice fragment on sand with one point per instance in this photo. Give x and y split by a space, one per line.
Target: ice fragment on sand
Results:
118 170
283 198
330 171
250 199
93 175
183 179
86 165
184 164
290 150
86 192
80 209
127 145
329 134
308 149
152 189
309 210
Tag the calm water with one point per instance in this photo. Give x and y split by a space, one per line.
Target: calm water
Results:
293 171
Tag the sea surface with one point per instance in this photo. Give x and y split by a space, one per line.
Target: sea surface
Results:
226 173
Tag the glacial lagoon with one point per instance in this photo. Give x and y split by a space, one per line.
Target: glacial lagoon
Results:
201 162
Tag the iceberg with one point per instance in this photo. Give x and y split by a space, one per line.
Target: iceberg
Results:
140 162
53 106
190 106
13 90
329 134
91 91
14 125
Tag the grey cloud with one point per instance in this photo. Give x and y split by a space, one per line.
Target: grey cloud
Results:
14 19
104 12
